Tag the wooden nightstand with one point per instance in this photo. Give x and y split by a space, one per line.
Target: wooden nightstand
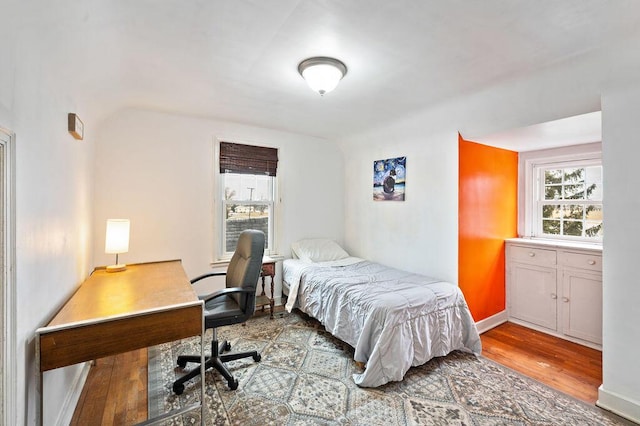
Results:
268 270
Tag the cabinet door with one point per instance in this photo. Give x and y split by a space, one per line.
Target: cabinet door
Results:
532 294
582 305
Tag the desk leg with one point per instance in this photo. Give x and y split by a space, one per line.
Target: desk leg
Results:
202 376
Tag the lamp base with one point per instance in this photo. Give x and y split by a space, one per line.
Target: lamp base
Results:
116 268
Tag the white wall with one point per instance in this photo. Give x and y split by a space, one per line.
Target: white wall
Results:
53 216
420 234
157 170
620 390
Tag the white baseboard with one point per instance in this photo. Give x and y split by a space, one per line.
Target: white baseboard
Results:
618 404
69 405
491 322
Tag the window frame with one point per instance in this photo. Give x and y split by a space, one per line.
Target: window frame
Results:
220 255
531 186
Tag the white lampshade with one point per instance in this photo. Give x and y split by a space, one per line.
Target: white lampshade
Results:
117 239
322 74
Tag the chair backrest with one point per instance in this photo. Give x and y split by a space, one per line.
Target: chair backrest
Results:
245 267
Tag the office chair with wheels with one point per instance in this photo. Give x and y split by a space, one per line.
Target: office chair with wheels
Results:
233 305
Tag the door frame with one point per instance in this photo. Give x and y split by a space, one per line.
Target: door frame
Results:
8 389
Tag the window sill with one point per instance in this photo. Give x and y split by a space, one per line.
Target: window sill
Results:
267 257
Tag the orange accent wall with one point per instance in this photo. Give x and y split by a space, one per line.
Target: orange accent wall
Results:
487 214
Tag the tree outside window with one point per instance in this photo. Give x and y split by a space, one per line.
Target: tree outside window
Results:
570 202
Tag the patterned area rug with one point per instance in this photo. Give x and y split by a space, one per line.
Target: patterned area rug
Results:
304 378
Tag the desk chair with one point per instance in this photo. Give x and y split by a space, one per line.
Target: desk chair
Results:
233 305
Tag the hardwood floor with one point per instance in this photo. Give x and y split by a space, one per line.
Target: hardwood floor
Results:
116 390
571 368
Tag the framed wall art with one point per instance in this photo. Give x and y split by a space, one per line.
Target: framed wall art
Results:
389 178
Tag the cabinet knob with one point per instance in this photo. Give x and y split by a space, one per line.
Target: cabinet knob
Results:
565 299
554 296
531 254
591 262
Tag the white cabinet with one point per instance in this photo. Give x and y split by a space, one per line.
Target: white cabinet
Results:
556 289
533 295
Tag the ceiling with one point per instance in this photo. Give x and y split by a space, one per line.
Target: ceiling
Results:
237 60
576 130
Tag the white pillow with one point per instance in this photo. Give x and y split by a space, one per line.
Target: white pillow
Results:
318 250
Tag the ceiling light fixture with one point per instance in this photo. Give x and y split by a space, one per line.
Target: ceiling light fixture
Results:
321 73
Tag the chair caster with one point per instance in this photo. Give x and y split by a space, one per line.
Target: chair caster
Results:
178 388
227 347
257 357
233 384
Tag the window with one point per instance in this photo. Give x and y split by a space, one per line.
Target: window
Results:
246 193
568 200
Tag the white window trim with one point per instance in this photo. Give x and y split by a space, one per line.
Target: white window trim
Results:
537 201
220 257
529 161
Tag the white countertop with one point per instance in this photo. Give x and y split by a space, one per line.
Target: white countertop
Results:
556 243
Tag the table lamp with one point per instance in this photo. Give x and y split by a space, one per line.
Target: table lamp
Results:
117 241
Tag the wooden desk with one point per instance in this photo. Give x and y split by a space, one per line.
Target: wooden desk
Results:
110 313
268 270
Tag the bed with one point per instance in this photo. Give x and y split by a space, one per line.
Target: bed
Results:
393 319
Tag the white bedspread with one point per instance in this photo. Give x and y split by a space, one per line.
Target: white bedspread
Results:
394 319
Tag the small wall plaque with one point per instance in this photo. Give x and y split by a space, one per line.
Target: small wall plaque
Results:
76 127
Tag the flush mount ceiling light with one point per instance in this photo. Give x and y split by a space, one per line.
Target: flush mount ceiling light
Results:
322 74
